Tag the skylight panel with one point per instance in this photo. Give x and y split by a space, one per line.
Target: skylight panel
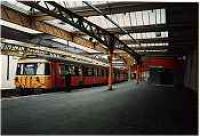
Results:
164 34
152 16
138 36
126 19
139 18
158 16
145 17
163 16
133 19
17 6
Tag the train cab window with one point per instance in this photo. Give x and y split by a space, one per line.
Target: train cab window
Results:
30 68
19 69
43 69
40 68
47 69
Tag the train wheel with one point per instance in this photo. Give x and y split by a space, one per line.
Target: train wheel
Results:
38 91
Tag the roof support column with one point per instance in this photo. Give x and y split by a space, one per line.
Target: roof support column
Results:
137 74
110 69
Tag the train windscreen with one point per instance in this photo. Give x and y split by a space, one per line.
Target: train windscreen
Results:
32 69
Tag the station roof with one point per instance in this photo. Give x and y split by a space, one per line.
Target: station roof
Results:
149 23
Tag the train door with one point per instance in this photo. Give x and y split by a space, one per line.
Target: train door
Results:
67 77
59 78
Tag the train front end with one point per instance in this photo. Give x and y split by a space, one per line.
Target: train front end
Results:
32 75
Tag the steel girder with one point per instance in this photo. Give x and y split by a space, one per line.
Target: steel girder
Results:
16 17
16 48
100 34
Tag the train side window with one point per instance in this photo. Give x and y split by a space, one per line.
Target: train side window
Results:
76 70
95 70
72 70
107 72
61 69
86 71
103 72
90 72
99 72
80 70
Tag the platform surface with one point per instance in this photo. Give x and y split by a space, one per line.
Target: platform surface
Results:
128 109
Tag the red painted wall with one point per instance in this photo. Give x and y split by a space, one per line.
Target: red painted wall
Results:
169 63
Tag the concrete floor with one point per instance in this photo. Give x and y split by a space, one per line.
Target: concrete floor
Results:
129 109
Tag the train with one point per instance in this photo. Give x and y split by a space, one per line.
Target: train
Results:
36 74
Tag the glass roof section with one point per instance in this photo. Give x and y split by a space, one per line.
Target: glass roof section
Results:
140 51
128 19
17 6
148 44
75 4
147 35
146 17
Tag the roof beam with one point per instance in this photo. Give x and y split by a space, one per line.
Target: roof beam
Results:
24 48
100 34
108 9
16 17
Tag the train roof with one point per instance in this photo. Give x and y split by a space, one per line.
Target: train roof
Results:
38 58
34 58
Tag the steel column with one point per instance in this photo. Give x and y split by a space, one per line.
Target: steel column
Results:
110 70
129 72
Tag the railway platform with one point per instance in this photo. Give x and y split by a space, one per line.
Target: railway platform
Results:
129 109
